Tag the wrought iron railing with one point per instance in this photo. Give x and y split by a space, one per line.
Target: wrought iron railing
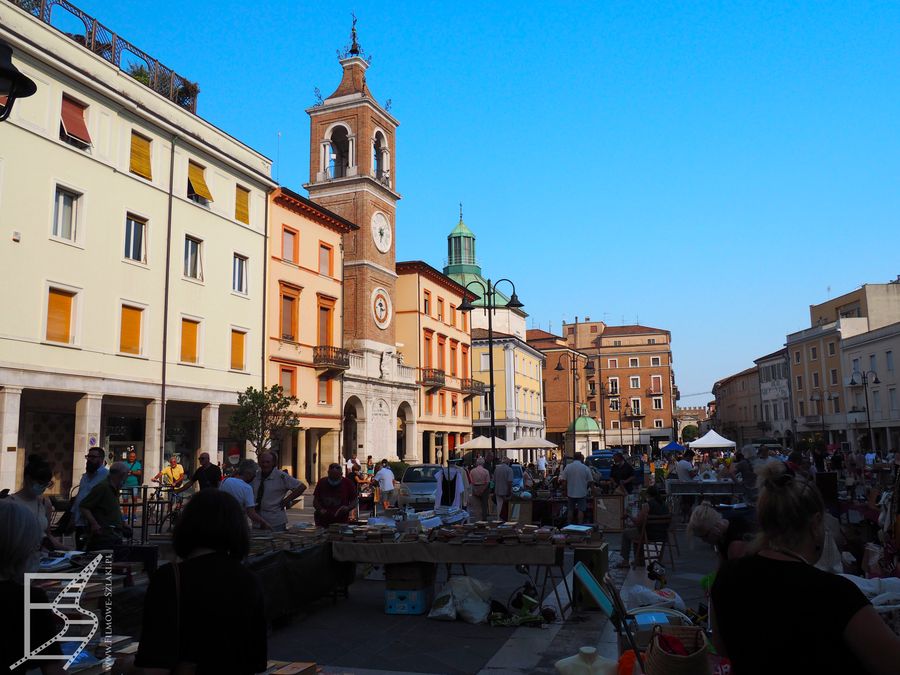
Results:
474 387
433 377
108 45
331 357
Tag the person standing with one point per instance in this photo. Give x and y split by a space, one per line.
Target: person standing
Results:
480 479
351 462
451 487
275 490
207 475
238 486
542 466
334 498
385 479
622 474
684 467
370 467
577 478
503 483
36 480
135 474
102 512
94 472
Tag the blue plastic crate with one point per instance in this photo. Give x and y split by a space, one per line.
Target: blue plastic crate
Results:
407 602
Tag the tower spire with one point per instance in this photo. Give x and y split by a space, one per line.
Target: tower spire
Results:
460 212
354 45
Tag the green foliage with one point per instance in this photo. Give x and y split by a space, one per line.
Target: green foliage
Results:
398 468
690 433
264 415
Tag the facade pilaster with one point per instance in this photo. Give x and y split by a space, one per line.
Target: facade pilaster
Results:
87 431
10 403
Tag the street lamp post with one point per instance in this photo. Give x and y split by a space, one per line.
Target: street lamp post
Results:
615 405
819 399
573 365
13 84
490 306
628 414
864 380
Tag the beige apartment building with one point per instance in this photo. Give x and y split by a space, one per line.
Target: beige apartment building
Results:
737 412
304 341
632 394
434 337
133 245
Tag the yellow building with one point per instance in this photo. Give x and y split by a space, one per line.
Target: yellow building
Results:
434 336
304 351
133 250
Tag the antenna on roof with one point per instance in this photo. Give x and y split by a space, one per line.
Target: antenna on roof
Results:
460 212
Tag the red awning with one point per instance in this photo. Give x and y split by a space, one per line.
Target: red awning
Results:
73 120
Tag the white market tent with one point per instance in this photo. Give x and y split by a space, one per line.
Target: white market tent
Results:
531 443
484 443
711 440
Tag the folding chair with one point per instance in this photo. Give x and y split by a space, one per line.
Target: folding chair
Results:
650 550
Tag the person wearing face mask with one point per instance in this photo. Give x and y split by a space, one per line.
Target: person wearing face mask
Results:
38 477
94 473
334 498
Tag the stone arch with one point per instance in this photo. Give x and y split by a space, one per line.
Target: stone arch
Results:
353 426
338 151
406 432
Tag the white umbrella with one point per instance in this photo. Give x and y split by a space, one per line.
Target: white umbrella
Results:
531 443
484 443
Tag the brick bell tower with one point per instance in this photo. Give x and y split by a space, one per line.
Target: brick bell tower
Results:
351 172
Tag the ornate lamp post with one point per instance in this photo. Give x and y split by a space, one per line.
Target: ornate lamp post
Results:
856 379
819 399
490 299
13 84
573 366
628 415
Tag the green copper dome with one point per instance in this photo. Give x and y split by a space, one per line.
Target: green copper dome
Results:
585 424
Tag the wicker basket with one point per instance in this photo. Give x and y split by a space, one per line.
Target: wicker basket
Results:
659 662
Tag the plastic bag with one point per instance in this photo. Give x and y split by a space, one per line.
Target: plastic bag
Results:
640 596
463 597
443 608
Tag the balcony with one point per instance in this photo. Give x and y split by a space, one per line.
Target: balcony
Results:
635 414
856 416
654 392
471 388
433 378
331 358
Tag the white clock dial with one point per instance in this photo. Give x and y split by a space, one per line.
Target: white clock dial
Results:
381 308
381 232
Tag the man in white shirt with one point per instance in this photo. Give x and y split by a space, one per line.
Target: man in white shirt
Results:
576 478
275 490
349 464
238 486
870 458
385 478
542 466
684 468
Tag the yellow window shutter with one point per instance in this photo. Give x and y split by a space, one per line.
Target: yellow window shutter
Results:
237 350
130 339
59 315
198 181
242 205
140 156
189 341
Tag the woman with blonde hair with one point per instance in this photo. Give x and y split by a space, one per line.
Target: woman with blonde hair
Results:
729 536
813 621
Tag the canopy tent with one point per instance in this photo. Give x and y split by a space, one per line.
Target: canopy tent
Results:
484 443
530 443
711 440
672 447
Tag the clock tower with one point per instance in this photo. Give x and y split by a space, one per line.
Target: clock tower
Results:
351 172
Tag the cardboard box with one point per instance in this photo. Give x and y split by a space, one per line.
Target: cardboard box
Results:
408 602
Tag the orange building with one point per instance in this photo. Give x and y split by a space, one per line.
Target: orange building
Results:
304 345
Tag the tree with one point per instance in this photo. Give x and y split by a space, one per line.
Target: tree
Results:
264 415
690 433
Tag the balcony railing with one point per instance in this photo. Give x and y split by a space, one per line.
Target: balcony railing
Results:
433 378
635 414
331 358
651 391
472 387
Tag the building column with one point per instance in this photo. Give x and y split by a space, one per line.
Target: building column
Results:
152 449
87 431
209 430
301 456
413 456
10 403
329 452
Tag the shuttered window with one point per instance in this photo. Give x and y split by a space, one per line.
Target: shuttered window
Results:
289 245
140 156
286 380
237 350
324 260
242 204
189 334
130 334
288 314
198 190
59 316
72 128
324 326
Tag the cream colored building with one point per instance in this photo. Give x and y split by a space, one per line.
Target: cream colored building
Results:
434 336
304 342
103 182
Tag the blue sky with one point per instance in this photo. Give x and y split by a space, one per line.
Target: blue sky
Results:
710 168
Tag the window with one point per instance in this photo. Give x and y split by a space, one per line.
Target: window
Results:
454 406
635 424
453 354
774 412
799 382
889 361
326 309
836 405
65 214
72 128
289 301
831 349
802 408
441 342
324 392
453 315
614 404
876 401
592 388
242 204
139 162
287 378
617 343
485 362
442 403
855 367
130 330
873 362
612 363
289 248
657 403
892 399
440 309
634 382
633 362
190 331
651 341
465 321
426 303
197 189
429 403
593 329
60 304
238 339
464 362
654 361
635 406
815 380
657 424
135 235
239 274
813 353
833 375
325 260
797 356
613 386
571 330
656 384
426 349
787 409
193 264
614 424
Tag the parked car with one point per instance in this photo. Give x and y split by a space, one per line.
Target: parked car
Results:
418 487
602 463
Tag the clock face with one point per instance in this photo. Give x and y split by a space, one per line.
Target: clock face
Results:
381 232
381 308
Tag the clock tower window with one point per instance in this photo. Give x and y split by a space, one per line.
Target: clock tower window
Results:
337 153
380 159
